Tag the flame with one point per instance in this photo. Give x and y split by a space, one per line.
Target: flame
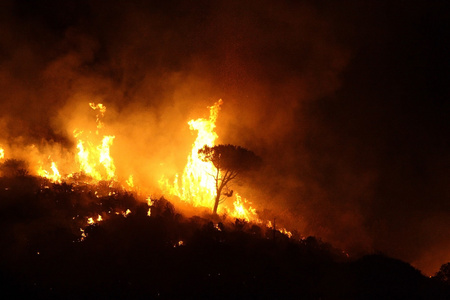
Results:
197 185
85 164
83 235
55 177
179 244
95 161
241 212
285 232
130 181
91 221
126 213
281 230
105 158
102 109
150 204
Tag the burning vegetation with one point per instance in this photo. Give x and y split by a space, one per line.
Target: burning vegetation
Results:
206 177
110 239
95 241
122 176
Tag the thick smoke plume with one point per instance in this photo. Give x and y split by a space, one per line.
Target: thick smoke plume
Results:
342 103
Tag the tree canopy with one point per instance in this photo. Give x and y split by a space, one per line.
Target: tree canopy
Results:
13 167
230 161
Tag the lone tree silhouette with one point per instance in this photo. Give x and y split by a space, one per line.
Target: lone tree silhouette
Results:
230 161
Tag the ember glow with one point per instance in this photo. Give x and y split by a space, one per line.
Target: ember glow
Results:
345 104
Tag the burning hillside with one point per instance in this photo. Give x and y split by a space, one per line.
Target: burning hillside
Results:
92 164
93 171
95 241
86 231
342 108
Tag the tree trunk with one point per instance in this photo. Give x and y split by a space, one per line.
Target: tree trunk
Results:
216 204
217 200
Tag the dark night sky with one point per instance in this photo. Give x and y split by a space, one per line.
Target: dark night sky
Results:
346 102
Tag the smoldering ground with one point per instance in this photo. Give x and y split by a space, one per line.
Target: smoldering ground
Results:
345 103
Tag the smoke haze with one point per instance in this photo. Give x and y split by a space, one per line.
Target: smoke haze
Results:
346 104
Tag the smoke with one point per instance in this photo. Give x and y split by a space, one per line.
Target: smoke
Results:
323 93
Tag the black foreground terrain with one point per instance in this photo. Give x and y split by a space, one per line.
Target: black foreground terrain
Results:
167 256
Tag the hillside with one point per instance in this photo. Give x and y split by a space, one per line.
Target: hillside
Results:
49 250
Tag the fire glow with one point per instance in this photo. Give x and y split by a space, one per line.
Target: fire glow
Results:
195 185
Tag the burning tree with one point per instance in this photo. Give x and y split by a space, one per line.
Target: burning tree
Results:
229 161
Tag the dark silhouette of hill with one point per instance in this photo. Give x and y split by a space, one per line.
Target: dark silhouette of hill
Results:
168 256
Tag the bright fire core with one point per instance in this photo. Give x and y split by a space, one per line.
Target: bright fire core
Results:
195 186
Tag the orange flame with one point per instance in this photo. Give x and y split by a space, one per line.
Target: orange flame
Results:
55 177
130 181
241 212
150 203
96 161
197 185
102 109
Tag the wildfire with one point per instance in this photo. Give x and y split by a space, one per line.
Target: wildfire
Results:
93 157
101 109
95 160
130 181
83 235
105 158
197 185
55 177
83 158
248 214
91 220
150 204
179 244
282 230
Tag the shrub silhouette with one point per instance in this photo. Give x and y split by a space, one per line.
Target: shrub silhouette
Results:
13 168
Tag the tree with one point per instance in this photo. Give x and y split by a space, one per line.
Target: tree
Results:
230 161
444 273
13 168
